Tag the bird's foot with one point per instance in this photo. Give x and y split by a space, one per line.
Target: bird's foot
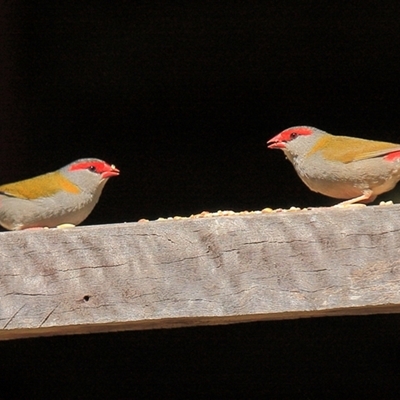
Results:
367 197
352 205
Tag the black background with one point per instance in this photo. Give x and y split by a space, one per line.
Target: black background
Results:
182 97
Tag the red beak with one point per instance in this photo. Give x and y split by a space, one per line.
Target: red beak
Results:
276 143
111 172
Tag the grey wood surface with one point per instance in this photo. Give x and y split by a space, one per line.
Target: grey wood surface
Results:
219 270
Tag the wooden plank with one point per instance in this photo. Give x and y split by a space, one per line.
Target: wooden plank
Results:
192 272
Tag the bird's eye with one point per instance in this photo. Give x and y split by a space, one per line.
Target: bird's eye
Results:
293 135
92 168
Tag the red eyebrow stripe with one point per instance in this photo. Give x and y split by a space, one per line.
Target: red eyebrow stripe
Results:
302 130
100 167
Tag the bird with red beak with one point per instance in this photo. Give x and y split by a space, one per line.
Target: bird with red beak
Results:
66 196
343 167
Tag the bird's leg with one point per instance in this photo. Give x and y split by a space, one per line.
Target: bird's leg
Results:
367 195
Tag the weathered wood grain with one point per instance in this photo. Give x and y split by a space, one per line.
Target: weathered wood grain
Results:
199 272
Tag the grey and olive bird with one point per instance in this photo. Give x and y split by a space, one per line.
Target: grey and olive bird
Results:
66 196
343 167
